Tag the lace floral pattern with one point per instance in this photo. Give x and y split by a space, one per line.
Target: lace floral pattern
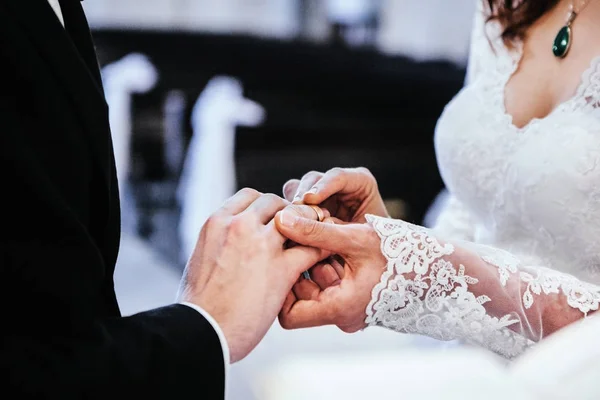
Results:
411 248
580 295
588 94
436 301
422 291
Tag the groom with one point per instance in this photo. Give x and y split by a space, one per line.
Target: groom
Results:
63 335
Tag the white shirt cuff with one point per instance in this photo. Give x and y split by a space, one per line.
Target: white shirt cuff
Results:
220 334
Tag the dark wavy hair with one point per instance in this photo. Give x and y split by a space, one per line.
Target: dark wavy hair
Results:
515 16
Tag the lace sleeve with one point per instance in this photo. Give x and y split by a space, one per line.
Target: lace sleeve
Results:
475 293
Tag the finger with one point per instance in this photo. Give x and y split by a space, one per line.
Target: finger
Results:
301 211
239 202
307 212
306 290
332 204
288 302
336 221
339 239
307 182
324 275
266 206
290 188
310 313
337 263
339 181
301 258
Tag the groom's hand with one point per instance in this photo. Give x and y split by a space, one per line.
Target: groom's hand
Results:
241 269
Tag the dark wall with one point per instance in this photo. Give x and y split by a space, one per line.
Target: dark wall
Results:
327 106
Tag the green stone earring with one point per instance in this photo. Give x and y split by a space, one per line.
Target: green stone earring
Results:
564 37
562 42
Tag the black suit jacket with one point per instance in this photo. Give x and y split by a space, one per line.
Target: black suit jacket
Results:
63 335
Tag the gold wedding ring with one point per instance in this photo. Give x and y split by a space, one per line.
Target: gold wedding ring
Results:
320 213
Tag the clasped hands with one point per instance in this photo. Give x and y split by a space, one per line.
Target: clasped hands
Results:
340 286
248 262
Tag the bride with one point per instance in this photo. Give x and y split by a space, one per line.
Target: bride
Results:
515 254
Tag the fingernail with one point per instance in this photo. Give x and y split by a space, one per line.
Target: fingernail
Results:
288 218
313 190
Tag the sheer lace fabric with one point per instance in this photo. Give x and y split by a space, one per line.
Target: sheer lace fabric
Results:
475 293
516 252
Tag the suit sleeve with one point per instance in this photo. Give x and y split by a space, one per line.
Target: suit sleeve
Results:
160 354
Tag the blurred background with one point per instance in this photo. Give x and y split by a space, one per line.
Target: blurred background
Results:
211 96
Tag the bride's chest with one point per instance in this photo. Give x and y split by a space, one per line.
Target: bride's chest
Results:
543 176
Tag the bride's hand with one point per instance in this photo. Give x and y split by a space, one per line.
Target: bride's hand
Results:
337 295
348 193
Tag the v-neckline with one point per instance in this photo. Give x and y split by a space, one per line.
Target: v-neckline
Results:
536 120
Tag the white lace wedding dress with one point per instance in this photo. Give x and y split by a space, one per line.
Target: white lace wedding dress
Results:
516 251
